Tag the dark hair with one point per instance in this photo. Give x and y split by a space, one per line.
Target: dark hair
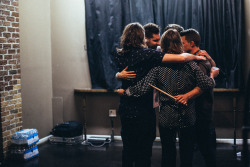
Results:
174 26
132 37
171 42
192 35
151 29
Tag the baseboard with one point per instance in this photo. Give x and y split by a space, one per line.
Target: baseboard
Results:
118 138
218 140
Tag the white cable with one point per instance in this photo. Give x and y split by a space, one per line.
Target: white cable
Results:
105 142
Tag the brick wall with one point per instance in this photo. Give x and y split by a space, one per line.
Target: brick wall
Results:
10 73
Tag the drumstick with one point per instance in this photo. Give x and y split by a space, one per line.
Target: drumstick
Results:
165 93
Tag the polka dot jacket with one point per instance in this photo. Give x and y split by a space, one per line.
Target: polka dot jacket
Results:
140 60
174 79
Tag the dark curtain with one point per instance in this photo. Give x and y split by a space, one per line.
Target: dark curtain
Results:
218 21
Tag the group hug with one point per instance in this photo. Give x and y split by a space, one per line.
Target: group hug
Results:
170 73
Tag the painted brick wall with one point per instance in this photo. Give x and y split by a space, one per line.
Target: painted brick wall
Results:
10 73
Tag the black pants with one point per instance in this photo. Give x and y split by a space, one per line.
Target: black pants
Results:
186 144
206 141
138 135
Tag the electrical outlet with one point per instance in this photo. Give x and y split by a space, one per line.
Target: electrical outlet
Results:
112 112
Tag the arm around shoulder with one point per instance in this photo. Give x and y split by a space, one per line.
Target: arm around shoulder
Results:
180 58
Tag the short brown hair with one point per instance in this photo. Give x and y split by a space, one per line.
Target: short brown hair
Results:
192 35
178 27
151 29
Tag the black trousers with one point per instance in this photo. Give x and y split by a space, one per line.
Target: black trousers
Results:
206 141
138 135
186 144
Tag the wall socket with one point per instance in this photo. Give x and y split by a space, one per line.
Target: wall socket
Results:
112 112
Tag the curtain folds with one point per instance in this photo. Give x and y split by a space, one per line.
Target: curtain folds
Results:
218 21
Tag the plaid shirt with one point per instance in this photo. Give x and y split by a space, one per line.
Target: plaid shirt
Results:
174 79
